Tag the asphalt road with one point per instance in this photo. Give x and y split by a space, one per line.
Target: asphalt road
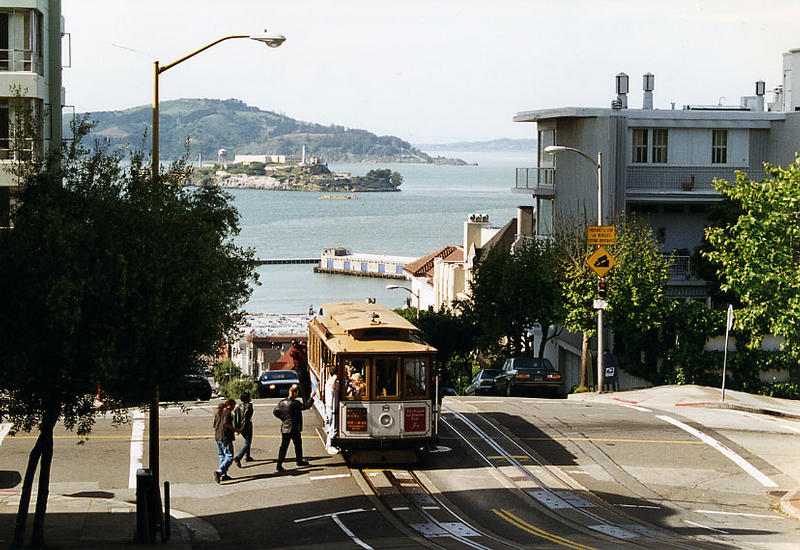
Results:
510 473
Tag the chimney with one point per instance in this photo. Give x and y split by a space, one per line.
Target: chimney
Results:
648 84
622 90
760 91
525 221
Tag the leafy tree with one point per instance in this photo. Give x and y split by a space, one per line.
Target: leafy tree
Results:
759 255
637 300
123 278
513 292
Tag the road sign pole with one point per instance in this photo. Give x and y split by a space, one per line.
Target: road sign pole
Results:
600 372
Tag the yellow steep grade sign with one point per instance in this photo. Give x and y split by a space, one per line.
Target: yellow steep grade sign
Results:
601 261
601 235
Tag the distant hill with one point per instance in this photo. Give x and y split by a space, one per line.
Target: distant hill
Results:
504 144
231 124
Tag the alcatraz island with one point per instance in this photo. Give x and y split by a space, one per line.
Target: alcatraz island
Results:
288 173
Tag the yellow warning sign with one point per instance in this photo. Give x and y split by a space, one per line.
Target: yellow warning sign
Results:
601 235
601 261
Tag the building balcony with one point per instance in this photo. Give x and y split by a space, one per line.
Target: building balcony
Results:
687 182
538 181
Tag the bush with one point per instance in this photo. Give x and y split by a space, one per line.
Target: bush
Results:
234 387
224 371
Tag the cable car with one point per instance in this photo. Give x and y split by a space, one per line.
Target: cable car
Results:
387 410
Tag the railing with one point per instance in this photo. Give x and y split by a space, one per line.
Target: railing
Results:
680 267
531 178
669 179
25 153
21 61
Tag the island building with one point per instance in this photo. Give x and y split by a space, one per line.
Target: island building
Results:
30 80
658 164
302 160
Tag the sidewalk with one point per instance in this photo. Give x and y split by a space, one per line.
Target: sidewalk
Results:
703 396
88 523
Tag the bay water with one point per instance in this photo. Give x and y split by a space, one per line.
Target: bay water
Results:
426 215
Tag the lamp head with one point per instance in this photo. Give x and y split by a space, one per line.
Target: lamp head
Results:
273 40
553 149
391 287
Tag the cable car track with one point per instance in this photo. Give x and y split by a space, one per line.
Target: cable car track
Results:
554 494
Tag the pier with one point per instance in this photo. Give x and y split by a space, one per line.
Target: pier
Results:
263 261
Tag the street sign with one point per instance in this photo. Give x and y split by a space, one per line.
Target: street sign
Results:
601 235
601 262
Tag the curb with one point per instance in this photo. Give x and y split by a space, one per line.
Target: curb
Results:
745 408
790 504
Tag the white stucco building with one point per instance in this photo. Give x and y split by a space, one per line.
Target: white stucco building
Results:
30 67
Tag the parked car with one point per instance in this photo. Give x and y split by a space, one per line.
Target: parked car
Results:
528 374
194 387
482 383
276 383
444 391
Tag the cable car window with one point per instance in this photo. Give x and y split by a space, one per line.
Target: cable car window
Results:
386 371
416 370
356 381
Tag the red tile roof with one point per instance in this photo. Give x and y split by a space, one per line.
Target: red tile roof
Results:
423 267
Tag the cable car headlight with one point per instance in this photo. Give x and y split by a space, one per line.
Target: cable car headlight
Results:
386 420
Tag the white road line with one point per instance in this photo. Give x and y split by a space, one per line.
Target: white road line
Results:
705 526
331 476
350 534
353 511
718 513
137 447
634 407
4 429
708 440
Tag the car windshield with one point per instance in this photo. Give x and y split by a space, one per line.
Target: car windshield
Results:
525 363
490 373
279 375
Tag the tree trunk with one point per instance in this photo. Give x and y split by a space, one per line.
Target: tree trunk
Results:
584 382
545 339
25 496
48 423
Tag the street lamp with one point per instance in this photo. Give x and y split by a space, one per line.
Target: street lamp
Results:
598 166
272 40
416 294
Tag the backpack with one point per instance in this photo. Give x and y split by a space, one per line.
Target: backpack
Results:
238 417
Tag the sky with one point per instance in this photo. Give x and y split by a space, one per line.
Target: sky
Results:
434 71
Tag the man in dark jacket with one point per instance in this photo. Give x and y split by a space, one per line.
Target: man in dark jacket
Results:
299 357
290 412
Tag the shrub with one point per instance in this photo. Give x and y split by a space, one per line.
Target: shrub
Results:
234 387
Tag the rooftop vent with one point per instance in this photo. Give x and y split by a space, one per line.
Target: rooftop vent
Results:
648 85
622 90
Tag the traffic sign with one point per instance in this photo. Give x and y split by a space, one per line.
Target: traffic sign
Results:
601 261
601 235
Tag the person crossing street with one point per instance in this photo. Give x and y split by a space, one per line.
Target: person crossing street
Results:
290 412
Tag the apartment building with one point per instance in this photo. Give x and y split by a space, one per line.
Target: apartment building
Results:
30 67
659 163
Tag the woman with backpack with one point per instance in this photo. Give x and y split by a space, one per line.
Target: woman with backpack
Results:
243 421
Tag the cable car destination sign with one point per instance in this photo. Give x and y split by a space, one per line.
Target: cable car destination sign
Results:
601 235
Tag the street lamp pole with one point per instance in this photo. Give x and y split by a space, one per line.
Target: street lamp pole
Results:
598 165
271 40
416 294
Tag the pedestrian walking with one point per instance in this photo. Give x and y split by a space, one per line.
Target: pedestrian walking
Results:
290 412
223 433
332 407
243 421
299 357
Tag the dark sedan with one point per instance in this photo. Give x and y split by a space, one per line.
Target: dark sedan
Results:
193 387
528 374
482 383
276 383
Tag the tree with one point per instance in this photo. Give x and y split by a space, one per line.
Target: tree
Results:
513 292
637 292
758 256
114 277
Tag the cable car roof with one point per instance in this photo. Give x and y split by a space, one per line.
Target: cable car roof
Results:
359 327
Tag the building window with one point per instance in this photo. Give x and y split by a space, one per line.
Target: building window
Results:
659 150
5 207
21 41
719 146
639 145
544 216
546 138
18 114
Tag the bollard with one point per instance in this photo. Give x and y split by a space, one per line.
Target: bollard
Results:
145 521
165 533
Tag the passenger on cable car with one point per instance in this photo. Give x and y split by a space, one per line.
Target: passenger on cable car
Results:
357 388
